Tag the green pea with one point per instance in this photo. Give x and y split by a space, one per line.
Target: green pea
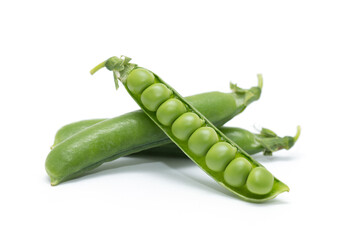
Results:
260 181
237 172
139 79
154 95
201 140
220 155
185 125
169 111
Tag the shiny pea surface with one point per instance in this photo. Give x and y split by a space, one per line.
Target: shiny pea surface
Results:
169 111
139 79
220 155
201 140
237 172
185 125
154 95
260 181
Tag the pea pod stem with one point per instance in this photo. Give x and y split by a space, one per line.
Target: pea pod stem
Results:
271 143
297 134
260 80
98 67
248 95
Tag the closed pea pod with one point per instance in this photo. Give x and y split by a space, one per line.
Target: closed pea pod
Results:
122 68
251 143
71 129
82 146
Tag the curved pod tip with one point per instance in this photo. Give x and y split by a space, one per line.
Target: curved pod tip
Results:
260 80
295 138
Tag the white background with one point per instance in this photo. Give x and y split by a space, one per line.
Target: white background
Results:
47 49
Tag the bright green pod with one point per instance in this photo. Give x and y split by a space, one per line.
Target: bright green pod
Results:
237 172
251 143
122 68
111 130
219 156
169 111
70 129
154 95
201 140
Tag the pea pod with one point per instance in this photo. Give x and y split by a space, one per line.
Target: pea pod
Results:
132 132
70 129
194 134
266 141
248 141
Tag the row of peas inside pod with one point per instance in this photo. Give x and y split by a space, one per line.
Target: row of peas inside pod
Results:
202 141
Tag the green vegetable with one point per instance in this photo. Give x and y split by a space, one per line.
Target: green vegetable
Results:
251 143
70 129
202 140
85 145
185 125
266 141
169 111
260 181
260 187
219 156
138 80
237 172
154 95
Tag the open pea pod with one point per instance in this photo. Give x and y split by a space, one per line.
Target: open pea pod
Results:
197 137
